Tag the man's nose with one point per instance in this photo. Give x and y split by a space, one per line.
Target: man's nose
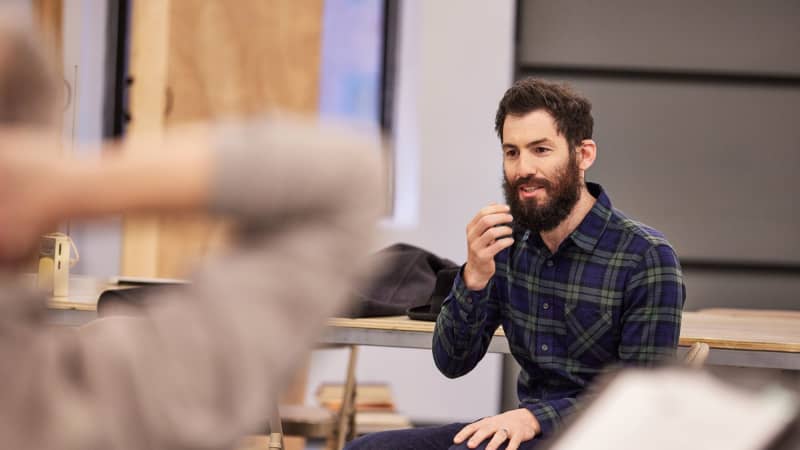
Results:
527 165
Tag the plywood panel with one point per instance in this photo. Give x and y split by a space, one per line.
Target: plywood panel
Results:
227 61
243 59
222 61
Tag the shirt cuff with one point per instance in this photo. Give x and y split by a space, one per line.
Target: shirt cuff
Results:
469 301
550 413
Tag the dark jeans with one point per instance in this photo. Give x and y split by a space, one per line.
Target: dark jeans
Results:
431 438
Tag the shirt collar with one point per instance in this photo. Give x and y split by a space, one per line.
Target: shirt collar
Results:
594 224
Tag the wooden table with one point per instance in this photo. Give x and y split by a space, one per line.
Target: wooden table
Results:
757 340
746 338
80 306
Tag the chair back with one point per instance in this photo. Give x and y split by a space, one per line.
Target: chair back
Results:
697 355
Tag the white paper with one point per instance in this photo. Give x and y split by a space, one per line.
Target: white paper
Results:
679 410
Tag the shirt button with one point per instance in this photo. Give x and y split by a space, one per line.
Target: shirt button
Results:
546 306
550 263
545 347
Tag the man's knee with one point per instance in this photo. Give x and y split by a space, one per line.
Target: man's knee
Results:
428 438
372 441
358 444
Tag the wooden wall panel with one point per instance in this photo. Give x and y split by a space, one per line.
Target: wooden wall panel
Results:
244 59
226 61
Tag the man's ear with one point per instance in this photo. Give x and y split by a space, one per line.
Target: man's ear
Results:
587 153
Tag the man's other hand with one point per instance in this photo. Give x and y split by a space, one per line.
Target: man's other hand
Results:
485 239
515 426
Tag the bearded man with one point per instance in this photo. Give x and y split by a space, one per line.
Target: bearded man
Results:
577 286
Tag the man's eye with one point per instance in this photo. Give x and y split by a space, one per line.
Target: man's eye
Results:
511 153
542 149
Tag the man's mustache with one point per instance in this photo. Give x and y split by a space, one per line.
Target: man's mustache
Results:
532 181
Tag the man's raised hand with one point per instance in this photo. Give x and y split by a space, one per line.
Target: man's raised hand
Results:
487 235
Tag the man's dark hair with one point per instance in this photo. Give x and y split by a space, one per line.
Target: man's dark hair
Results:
571 111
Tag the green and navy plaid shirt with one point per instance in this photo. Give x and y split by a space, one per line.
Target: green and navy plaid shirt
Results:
611 294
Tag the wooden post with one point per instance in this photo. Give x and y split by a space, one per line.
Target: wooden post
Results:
147 98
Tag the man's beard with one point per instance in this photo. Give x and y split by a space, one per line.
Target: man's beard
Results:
562 195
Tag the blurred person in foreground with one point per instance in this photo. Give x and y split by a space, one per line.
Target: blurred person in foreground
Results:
577 286
200 366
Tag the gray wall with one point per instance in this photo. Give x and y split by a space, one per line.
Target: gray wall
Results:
739 36
695 107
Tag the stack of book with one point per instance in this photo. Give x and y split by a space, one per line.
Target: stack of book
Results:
375 407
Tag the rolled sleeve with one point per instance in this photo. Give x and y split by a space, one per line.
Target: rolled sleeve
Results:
551 413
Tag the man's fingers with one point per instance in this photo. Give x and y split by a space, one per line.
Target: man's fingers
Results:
495 208
513 442
489 237
487 253
477 229
492 209
487 210
479 436
491 220
499 437
494 233
496 248
465 433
